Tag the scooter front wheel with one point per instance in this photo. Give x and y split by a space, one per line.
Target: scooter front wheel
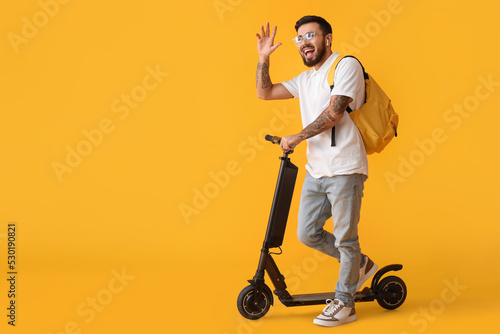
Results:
254 302
397 287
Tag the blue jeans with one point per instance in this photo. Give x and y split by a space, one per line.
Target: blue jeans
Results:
338 197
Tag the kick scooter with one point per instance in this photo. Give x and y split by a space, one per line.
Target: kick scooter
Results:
255 300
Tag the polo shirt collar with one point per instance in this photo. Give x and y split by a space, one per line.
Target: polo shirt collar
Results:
327 64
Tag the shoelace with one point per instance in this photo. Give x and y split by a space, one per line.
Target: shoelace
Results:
331 308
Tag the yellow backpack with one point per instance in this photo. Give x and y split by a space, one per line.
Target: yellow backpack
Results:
376 120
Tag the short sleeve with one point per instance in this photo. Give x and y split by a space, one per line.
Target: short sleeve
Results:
292 86
349 79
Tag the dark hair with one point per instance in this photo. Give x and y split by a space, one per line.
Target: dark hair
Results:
326 28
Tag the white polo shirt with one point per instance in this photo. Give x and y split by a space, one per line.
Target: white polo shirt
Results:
348 156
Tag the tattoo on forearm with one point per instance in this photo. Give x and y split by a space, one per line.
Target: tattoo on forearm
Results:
259 67
263 70
324 121
340 104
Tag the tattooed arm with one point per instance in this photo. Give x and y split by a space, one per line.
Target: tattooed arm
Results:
262 75
265 88
326 120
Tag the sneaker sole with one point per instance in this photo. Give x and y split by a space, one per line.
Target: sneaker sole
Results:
333 323
369 274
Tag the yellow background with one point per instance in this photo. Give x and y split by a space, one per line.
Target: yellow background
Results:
132 204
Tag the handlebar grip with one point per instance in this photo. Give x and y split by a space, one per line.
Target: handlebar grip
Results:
273 139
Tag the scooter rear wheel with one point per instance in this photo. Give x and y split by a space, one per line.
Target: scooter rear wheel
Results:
253 303
395 285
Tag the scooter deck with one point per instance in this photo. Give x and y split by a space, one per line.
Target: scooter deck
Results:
322 297
308 299
366 294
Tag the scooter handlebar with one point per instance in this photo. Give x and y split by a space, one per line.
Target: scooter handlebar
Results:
277 140
273 139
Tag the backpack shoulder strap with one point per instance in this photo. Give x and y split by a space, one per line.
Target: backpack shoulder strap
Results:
331 74
330 78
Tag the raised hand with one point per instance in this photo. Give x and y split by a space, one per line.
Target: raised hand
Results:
265 41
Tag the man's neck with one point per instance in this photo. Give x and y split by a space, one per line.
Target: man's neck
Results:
327 55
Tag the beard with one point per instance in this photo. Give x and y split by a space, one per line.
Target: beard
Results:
319 53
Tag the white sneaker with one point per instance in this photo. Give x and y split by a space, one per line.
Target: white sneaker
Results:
367 271
335 314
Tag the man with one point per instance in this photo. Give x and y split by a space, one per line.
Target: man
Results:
333 186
